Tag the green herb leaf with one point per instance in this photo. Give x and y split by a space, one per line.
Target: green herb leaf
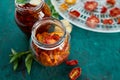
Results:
15 55
13 51
15 65
13 58
28 62
24 53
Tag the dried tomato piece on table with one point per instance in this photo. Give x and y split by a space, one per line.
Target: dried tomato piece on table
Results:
115 12
74 13
75 73
72 62
90 5
107 21
112 2
92 21
103 10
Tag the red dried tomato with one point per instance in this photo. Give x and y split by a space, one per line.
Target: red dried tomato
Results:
92 21
74 13
72 62
115 12
75 73
112 2
90 5
103 10
107 21
118 21
110 21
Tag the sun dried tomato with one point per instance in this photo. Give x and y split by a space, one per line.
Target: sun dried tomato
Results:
70 1
92 21
75 73
63 7
90 5
110 21
112 2
74 13
103 10
115 12
107 21
72 62
118 21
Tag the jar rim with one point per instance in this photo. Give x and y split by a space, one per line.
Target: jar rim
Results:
33 8
47 46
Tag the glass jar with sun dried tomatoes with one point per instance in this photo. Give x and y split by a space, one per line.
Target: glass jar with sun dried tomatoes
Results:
50 42
28 12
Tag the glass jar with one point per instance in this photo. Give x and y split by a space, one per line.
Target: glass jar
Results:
50 42
28 12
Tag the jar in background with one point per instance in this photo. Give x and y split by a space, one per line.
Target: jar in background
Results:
28 12
50 42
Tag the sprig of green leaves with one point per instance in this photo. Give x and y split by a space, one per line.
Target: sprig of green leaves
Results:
54 12
15 57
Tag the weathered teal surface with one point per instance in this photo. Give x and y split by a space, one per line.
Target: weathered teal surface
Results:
98 53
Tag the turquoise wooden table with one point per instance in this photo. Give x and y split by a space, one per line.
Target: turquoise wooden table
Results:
98 53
